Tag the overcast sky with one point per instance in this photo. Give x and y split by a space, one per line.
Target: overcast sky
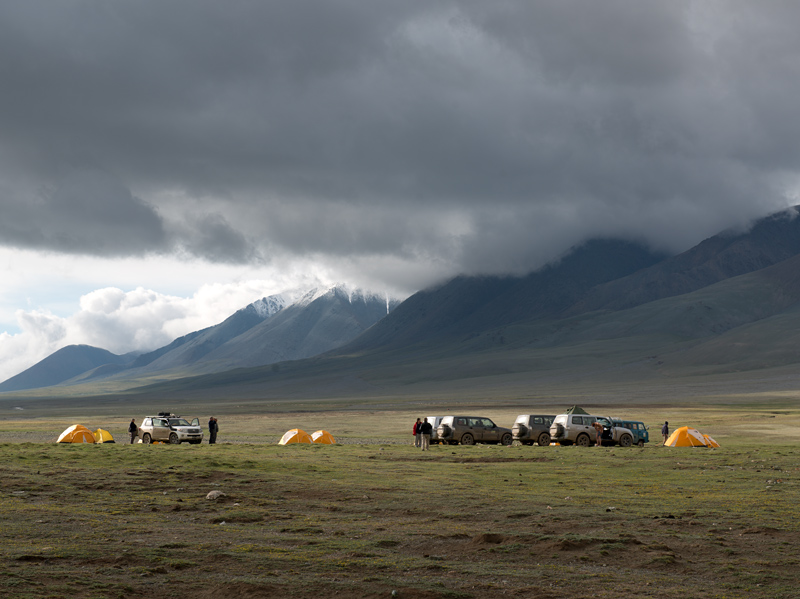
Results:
165 162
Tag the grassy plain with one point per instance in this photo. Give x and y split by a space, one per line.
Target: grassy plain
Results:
367 517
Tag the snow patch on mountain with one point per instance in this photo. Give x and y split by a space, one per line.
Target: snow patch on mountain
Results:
359 295
271 305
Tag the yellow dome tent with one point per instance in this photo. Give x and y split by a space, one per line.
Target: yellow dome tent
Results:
103 436
686 436
323 437
77 433
295 435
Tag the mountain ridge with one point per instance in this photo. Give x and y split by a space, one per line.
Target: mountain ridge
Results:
196 350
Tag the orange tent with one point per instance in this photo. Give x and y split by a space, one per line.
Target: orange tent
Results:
295 435
103 436
686 436
323 437
77 433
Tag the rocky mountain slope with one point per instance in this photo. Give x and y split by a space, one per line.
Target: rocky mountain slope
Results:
271 329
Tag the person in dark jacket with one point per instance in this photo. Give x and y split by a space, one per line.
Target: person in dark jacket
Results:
213 429
665 431
426 428
133 429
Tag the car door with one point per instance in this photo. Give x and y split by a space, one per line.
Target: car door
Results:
581 425
637 429
475 428
160 429
489 431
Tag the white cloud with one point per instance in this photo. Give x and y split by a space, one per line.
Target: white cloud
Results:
123 321
69 305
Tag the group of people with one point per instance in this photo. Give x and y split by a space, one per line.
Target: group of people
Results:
422 430
213 429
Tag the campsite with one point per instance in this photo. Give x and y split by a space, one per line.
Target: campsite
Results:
364 517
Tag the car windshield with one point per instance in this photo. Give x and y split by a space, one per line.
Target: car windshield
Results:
178 422
522 419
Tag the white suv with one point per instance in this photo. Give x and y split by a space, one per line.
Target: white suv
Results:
579 429
170 428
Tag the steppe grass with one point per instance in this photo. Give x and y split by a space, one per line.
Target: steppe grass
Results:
361 520
751 416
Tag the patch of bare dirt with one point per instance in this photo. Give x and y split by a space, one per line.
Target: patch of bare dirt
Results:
488 539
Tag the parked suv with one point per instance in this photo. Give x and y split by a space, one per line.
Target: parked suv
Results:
579 429
532 428
170 428
638 430
469 430
614 433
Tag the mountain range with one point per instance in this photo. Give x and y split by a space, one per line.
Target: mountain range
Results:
609 310
272 329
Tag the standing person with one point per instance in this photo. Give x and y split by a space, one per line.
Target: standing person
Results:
665 431
427 429
133 429
213 428
417 432
598 428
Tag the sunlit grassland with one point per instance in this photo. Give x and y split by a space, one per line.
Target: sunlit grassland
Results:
359 520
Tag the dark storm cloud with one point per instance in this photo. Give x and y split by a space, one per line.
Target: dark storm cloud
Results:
92 213
487 135
210 236
85 213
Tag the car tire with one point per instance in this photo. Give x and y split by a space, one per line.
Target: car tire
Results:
640 443
506 439
146 439
625 440
173 439
583 440
543 440
467 439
